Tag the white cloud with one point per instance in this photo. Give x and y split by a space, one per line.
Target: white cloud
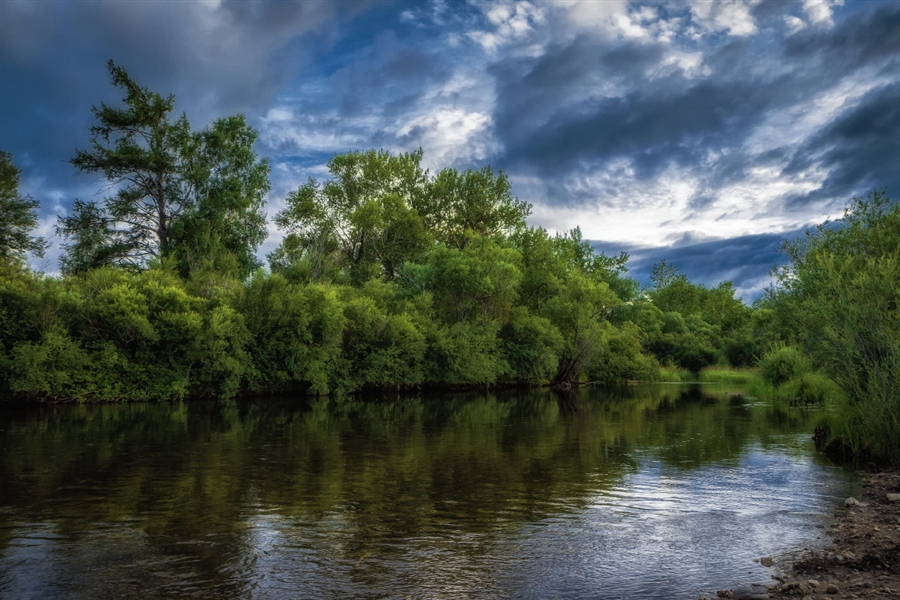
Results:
732 16
588 14
794 24
819 11
450 134
511 21
792 125
620 207
290 131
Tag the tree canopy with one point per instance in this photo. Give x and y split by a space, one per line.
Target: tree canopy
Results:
19 215
177 192
840 300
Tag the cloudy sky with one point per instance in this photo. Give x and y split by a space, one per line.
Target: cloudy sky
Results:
702 132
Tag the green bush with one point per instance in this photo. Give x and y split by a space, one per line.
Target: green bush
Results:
783 363
531 346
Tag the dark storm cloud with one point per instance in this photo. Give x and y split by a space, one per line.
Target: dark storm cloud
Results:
653 128
861 149
217 60
547 123
861 39
537 91
654 122
746 261
388 79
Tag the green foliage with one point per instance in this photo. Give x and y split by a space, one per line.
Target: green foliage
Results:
380 350
670 374
478 282
19 215
579 312
728 375
296 334
465 354
458 206
839 297
193 195
363 220
111 334
700 326
783 363
623 357
531 347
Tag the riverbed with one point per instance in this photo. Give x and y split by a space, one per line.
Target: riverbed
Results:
643 491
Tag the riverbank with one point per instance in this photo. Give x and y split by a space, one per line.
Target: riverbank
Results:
862 560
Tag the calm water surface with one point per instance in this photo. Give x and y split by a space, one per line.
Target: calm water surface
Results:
644 492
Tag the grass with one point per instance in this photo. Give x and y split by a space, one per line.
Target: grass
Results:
807 388
675 375
730 375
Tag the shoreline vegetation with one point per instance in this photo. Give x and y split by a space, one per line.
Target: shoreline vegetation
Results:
390 277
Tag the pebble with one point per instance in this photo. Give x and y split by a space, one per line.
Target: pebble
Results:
812 583
751 592
893 497
766 561
832 589
851 501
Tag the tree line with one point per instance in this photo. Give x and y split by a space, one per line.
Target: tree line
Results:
391 277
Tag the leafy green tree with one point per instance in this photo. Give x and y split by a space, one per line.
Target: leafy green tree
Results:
363 220
531 347
477 283
663 275
296 334
465 353
580 312
839 293
716 325
458 206
380 350
177 192
226 224
18 215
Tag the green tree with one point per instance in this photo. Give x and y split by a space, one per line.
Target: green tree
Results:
839 293
663 275
363 220
18 215
177 192
580 312
460 205
477 283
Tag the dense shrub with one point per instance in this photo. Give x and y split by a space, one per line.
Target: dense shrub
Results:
783 363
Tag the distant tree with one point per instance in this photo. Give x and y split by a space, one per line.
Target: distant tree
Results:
18 215
191 195
662 274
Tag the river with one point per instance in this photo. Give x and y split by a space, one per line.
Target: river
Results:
645 491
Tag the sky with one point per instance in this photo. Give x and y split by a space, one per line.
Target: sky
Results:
703 132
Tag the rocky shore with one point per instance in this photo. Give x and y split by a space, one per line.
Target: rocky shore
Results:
862 560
